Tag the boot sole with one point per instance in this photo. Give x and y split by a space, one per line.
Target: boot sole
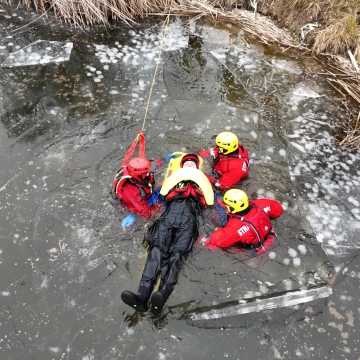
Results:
131 300
157 303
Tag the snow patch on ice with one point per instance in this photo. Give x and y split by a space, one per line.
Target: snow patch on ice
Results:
45 282
296 262
286 261
272 255
85 235
89 356
301 92
282 152
175 37
54 349
286 65
253 134
292 252
302 249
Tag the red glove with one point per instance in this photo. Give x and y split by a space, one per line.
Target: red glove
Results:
212 179
204 153
155 208
210 246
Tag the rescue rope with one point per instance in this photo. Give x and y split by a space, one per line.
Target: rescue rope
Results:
164 28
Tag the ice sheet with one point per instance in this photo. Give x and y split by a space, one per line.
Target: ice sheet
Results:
40 52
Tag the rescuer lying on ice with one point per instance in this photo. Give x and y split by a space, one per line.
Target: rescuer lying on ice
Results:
248 224
172 236
230 161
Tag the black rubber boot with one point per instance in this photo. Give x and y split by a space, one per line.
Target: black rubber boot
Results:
157 302
134 300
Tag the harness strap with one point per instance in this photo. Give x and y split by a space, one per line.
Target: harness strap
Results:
131 179
121 180
116 181
260 241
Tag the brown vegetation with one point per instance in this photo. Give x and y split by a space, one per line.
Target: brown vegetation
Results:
328 28
335 22
338 37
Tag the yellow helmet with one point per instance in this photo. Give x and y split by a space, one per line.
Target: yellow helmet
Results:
236 200
227 142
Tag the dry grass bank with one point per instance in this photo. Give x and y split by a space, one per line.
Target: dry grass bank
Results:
328 28
331 30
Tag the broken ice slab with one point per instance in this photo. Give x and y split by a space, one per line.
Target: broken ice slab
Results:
40 52
247 306
175 37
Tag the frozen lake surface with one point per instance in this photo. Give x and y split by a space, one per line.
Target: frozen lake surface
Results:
64 259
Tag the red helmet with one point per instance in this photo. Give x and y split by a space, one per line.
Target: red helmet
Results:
138 167
190 157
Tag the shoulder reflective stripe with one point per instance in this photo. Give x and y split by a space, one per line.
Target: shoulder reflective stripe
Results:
242 158
121 181
255 230
243 230
118 175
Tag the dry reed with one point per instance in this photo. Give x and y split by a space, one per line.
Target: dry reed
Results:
345 79
337 38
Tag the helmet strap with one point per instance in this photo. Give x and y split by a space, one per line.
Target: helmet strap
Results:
244 212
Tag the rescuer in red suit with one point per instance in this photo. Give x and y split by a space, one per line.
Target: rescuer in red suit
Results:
249 225
133 186
230 161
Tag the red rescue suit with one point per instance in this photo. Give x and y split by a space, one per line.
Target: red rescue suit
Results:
249 228
134 194
229 169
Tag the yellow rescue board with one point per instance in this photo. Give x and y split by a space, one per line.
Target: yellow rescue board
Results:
189 174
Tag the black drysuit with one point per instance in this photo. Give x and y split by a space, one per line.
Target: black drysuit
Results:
170 239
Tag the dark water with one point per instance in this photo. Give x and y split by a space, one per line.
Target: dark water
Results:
64 258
